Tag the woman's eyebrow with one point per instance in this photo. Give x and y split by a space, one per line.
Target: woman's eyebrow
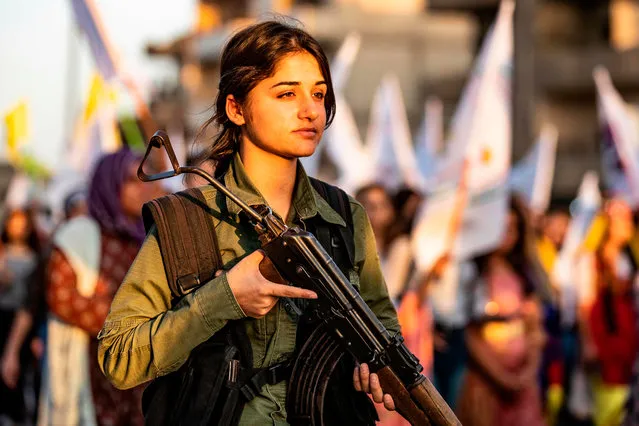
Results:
294 83
286 83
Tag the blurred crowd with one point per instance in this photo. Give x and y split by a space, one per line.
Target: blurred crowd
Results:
56 287
501 341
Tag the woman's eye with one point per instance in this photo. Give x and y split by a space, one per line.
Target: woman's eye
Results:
286 95
319 95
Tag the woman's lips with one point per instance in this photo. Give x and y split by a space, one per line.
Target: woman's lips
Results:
307 132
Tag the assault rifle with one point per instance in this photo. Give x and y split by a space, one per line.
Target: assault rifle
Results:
294 256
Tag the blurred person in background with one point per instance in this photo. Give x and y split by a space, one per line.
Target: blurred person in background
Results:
413 311
445 287
18 260
394 250
505 335
553 231
632 404
406 202
560 350
80 289
607 316
30 322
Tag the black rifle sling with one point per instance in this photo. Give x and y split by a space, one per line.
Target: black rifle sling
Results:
338 200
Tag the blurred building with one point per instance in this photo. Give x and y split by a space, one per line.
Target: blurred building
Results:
430 45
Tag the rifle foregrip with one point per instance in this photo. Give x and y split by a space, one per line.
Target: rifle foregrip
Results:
403 402
422 406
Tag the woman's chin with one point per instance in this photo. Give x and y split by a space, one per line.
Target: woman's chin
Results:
305 149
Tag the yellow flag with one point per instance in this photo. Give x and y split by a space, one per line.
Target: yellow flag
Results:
99 93
95 98
595 233
17 124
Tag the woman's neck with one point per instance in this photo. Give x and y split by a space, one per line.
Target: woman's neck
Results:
272 175
497 261
17 247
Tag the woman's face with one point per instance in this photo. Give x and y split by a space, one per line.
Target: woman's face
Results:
379 208
621 228
134 193
18 226
511 236
556 227
284 114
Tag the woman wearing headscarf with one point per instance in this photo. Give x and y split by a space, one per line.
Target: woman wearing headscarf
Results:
90 258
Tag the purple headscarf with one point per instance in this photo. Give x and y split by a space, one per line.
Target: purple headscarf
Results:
103 201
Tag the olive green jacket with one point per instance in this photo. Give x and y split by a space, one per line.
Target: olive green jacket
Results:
145 337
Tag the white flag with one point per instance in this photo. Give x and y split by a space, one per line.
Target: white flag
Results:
388 141
481 136
343 61
344 147
532 176
584 210
429 139
620 144
488 85
431 235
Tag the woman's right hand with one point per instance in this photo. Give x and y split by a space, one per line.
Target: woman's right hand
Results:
255 294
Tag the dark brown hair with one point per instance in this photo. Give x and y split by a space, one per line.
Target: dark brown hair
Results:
523 256
31 238
360 196
249 57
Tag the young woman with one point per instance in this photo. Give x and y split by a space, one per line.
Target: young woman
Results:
275 99
20 247
89 260
394 248
505 334
607 314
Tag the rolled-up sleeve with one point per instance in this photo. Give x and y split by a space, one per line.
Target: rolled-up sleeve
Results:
371 280
144 336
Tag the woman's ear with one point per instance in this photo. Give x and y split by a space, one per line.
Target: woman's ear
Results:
234 111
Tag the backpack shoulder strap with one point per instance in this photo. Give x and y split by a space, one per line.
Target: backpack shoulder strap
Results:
187 239
339 201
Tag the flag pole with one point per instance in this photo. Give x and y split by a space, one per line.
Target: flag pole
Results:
71 87
523 89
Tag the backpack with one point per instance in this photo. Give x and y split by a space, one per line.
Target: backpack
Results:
218 378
